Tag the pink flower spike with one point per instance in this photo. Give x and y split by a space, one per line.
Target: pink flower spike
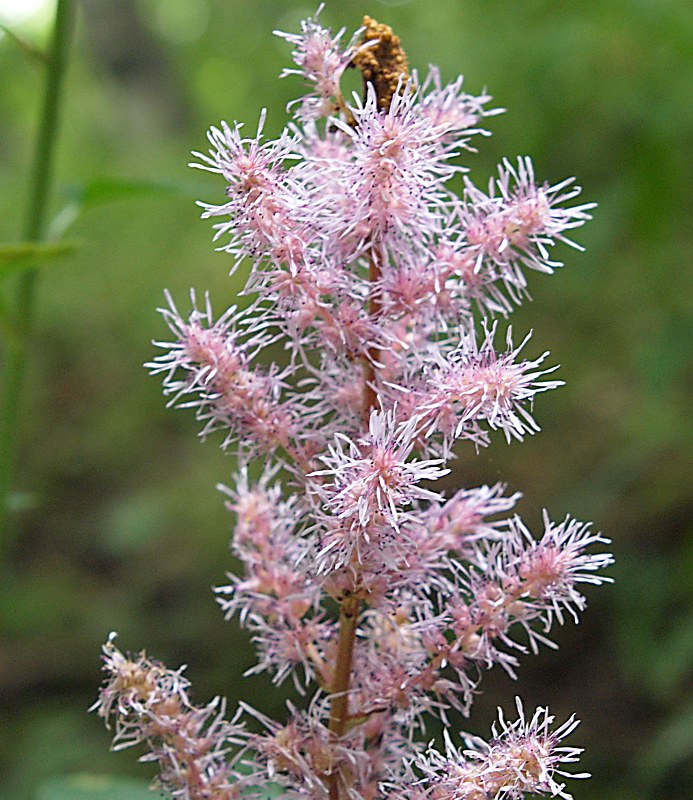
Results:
210 362
262 194
367 351
395 179
552 568
517 222
530 579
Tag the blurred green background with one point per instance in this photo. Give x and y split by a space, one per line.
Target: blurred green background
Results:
118 525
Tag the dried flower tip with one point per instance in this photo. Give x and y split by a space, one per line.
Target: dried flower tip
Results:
384 64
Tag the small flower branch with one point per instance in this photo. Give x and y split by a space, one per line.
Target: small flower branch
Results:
189 743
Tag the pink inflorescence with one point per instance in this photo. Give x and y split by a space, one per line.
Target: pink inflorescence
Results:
386 276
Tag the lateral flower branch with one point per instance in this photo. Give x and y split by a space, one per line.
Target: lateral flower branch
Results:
380 598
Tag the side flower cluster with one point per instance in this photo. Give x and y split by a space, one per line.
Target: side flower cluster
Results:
386 275
190 744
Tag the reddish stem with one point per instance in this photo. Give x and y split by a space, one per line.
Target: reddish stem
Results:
370 395
350 605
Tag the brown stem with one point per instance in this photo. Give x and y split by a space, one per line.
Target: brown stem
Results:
348 618
349 607
370 395
339 710
383 65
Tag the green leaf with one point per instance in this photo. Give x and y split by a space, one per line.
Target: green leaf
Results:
26 47
30 255
85 786
105 190
82 197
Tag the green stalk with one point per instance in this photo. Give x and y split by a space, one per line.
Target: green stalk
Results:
34 230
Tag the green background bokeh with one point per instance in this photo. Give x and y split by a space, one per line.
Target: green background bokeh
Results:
118 524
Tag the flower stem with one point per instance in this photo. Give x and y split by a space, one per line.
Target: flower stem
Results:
339 709
348 619
370 395
349 607
34 230
383 65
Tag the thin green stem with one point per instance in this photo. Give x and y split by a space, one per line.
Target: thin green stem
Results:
34 229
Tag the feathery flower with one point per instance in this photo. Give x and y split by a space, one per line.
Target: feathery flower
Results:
513 580
321 60
547 570
518 220
262 194
210 362
475 383
452 110
372 476
523 757
396 177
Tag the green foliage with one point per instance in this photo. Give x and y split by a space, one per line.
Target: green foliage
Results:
31 255
93 787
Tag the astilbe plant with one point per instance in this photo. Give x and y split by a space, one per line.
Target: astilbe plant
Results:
381 599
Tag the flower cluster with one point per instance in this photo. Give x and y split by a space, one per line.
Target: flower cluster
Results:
189 743
383 600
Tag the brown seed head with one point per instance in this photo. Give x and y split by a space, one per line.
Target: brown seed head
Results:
382 64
